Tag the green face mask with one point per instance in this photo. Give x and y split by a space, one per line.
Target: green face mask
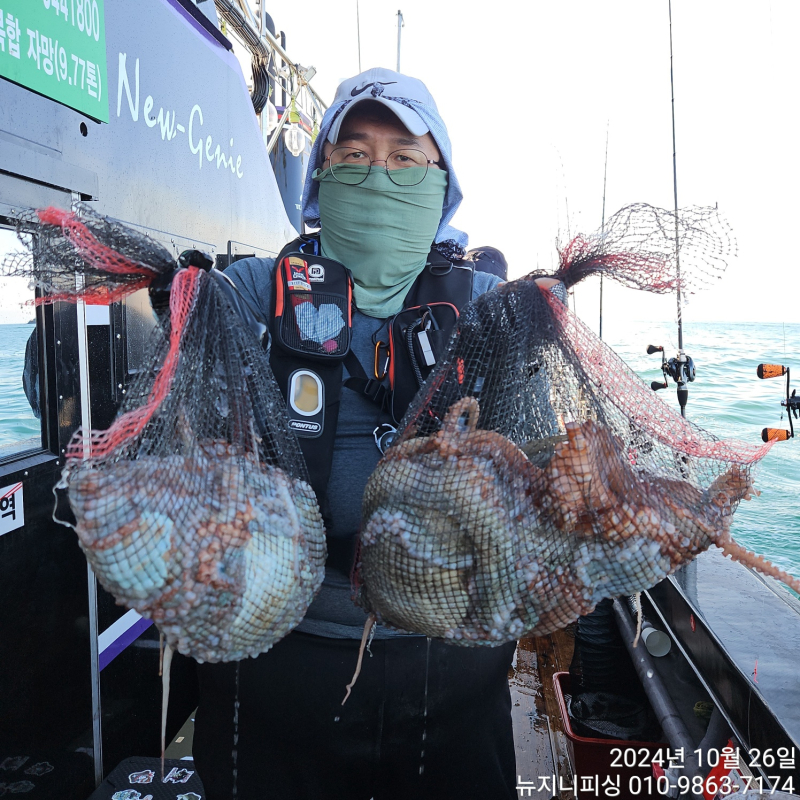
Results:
380 231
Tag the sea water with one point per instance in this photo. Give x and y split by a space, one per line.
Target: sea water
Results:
19 429
727 399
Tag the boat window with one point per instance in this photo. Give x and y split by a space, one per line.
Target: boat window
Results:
20 426
140 320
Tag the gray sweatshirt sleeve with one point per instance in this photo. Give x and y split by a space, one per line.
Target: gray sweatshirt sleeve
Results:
253 278
482 282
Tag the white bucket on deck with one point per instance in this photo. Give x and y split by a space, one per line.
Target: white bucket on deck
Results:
657 642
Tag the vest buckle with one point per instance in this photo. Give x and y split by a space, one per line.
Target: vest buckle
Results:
375 390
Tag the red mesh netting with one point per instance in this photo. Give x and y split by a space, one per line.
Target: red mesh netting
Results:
653 249
536 474
62 246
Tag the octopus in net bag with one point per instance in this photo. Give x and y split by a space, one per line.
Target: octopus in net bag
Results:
222 579
466 539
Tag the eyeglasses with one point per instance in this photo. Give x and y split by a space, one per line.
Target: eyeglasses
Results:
404 167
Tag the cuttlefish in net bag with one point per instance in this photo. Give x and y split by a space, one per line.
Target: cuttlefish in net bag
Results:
194 506
535 473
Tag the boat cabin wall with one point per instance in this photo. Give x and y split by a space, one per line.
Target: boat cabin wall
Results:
182 154
182 158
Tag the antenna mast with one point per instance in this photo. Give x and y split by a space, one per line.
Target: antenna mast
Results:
399 29
358 32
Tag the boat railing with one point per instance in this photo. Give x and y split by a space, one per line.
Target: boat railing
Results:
271 61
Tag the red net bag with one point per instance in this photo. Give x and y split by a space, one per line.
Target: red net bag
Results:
535 474
194 507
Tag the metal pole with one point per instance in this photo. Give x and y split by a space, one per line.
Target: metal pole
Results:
234 17
277 132
668 717
94 654
358 31
399 29
94 631
284 62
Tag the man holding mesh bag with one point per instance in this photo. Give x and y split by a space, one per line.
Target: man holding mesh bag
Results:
533 475
425 716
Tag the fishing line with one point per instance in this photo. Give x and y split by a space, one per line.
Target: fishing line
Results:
571 292
563 181
603 228
784 341
784 361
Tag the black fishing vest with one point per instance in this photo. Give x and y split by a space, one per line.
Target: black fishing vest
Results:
310 326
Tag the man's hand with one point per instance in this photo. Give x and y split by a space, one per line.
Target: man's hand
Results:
546 283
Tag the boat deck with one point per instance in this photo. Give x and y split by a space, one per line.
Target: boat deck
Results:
541 745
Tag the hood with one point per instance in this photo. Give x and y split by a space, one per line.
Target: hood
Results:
437 128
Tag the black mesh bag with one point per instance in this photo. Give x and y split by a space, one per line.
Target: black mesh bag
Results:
193 507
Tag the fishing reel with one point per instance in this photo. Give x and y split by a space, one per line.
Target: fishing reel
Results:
681 369
791 403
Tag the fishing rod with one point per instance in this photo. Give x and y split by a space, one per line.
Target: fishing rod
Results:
791 403
603 229
681 368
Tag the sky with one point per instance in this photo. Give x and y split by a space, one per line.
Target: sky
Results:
16 299
530 91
